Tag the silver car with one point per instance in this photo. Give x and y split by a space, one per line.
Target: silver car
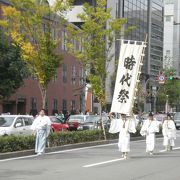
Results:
177 119
94 122
15 124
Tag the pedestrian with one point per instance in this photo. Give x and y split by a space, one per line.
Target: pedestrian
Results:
149 128
41 127
124 125
66 117
87 112
169 133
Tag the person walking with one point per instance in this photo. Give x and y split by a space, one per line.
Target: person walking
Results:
169 133
149 128
41 127
125 125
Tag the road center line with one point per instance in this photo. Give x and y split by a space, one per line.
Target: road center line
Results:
114 160
176 148
104 162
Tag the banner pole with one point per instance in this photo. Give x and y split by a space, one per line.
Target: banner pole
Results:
141 62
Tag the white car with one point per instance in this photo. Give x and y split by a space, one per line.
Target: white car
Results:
15 124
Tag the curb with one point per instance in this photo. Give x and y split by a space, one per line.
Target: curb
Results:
65 147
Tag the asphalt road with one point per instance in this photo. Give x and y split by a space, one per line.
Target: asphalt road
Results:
101 162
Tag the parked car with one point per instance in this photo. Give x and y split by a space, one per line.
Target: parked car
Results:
58 124
94 122
177 120
160 117
15 124
75 121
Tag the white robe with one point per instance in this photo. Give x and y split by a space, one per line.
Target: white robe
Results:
149 129
124 136
41 126
169 132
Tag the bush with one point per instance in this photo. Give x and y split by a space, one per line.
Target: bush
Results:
71 137
19 143
16 143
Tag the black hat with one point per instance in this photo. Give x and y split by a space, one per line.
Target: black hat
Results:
150 114
168 115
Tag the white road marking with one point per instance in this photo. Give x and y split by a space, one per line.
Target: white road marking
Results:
114 160
104 162
58 152
75 149
173 149
23 157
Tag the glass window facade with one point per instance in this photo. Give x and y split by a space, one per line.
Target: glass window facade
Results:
156 46
147 18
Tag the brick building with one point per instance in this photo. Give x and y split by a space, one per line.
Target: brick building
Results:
66 91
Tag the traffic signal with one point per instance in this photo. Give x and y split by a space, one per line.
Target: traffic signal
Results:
170 77
173 78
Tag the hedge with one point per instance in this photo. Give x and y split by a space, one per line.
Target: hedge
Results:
19 143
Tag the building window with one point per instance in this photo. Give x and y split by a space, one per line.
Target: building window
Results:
168 52
63 40
73 106
64 73
55 77
33 106
55 104
169 1
81 80
168 18
73 74
64 105
33 103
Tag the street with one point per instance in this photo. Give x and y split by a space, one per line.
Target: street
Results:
97 162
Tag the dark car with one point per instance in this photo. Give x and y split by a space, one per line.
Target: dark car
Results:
75 121
58 124
177 120
94 122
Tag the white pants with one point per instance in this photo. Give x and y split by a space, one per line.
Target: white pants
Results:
150 142
168 141
124 141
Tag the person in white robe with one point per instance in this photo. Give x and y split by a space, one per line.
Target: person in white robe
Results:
169 133
41 127
149 128
125 126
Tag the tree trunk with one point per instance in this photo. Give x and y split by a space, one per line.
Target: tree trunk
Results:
102 124
44 97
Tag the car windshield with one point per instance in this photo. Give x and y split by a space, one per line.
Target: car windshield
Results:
6 121
56 119
76 118
177 115
92 118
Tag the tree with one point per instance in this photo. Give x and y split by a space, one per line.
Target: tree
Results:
170 88
32 26
12 68
96 37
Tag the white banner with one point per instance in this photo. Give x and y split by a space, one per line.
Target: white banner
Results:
127 76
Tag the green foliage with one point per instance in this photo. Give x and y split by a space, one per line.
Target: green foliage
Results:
12 68
96 37
19 143
16 143
71 137
34 26
170 89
